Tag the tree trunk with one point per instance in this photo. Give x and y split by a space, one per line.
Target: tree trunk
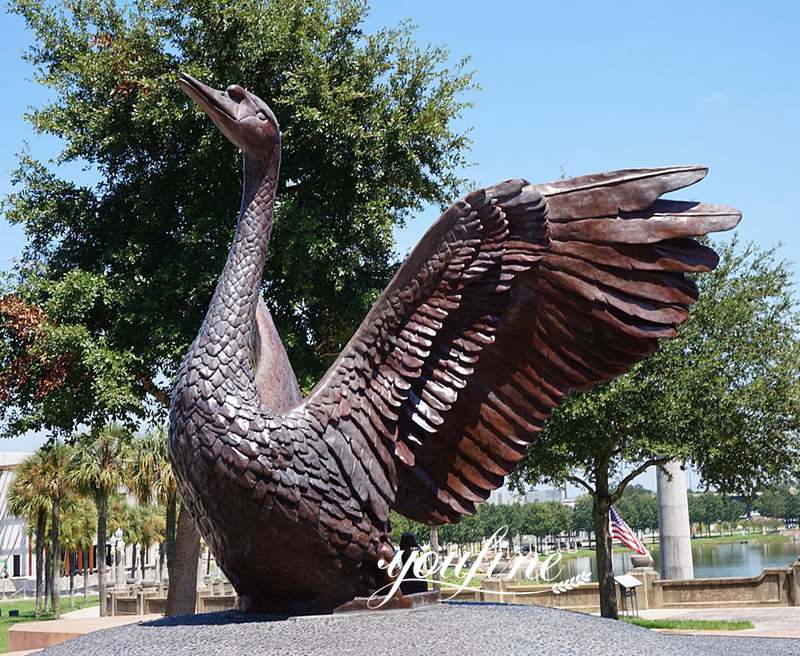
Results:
161 548
435 548
55 588
102 518
142 553
601 503
169 537
86 574
72 563
181 598
41 527
48 577
133 561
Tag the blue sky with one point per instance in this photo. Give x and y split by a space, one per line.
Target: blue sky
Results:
581 87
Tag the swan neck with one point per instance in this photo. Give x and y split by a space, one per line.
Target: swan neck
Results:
231 314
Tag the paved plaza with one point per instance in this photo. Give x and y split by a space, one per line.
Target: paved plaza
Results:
463 629
769 622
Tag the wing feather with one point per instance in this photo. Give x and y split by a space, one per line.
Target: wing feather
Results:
516 295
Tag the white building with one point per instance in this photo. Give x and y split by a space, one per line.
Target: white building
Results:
503 496
16 554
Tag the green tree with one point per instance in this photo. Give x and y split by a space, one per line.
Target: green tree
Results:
707 508
773 502
97 468
400 525
29 498
149 477
54 373
723 395
153 526
467 531
118 512
582 515
56 484
639 507
792 504
132 530
732 510
143 526
549 518
78 530
511 516
562 520
368 138
492 518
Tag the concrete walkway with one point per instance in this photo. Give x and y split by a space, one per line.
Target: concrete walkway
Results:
82 614
770 622
38 635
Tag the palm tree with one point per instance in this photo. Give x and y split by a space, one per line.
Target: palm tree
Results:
133 532
118 510
97 469
56 458
77 534
28 498
118 519
151 480
152 525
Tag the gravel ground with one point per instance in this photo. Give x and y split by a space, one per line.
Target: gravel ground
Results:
459 629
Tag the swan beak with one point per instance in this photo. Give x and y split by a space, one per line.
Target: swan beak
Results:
217 104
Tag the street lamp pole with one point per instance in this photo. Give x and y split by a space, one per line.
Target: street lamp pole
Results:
119 557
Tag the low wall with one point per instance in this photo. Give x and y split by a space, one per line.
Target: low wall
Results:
773 587
153 601
584 597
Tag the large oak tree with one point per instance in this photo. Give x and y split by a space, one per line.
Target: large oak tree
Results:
119 273
724 395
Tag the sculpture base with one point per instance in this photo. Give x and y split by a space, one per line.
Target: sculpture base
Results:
260 606
459 629
396 602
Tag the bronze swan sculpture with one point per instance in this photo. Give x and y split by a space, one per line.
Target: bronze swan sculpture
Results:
515 295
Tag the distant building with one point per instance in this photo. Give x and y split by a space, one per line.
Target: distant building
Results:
570 501
542 496
16 553
503 496
499 497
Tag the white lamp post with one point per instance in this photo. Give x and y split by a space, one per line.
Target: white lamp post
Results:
119 558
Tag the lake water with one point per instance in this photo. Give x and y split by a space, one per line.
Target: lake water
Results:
710 560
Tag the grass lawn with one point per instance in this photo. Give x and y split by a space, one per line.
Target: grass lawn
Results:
747 537
691 625
589 553
26 608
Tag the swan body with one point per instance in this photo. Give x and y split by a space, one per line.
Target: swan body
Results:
516 294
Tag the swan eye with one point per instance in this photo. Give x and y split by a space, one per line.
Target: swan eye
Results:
261 116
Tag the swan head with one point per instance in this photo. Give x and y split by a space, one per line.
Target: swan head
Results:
245 119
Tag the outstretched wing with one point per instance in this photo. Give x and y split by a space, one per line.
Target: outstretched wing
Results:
517 294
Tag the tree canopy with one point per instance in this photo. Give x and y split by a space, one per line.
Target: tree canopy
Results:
723 394
122 270
639 507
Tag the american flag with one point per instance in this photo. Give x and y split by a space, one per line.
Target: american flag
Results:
623 533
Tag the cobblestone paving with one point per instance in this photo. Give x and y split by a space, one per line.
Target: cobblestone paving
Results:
456 629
